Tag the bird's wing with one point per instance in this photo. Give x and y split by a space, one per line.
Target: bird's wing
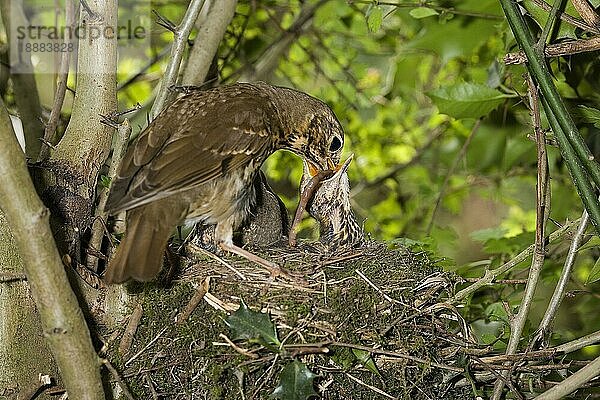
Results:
201 136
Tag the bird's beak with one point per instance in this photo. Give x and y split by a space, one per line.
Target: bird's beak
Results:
314 168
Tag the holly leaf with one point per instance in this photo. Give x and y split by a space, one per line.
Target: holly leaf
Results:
253 326
466 100
295 383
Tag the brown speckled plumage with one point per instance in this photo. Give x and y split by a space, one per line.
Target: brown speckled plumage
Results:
197 160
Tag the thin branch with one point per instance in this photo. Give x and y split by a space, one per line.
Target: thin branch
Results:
549 25
433 136
62 320
130 329
588 14
61 87
270 58
491 274
539 252
573 382
459 157
448 10
543 329
558 50
181 33
566 17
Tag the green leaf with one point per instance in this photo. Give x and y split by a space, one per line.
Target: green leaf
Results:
466 100
594 275
422 12
592 243
374 18
253 326
295 383
590 115
364 357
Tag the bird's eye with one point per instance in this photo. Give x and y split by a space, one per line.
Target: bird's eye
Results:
336 144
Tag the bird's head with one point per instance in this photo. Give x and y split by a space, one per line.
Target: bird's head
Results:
310 129
332 198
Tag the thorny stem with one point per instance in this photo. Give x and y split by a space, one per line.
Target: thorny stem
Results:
181 36
575 152
539 252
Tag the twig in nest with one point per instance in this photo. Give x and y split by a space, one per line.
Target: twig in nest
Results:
199 249
385 296
136 355
243 352
130 329
373 388
201 290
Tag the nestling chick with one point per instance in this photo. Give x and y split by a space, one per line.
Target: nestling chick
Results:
331 207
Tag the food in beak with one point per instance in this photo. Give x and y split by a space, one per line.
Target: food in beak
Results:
309 191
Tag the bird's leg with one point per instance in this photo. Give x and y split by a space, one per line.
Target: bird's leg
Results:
272 267
224 238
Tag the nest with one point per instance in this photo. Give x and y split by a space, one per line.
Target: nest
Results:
367 323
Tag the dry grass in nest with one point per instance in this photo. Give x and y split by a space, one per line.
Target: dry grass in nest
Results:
366 322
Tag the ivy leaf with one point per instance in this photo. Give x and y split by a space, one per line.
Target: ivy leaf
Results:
295 383
590 115
253 326
466 100
422 12
594 275
374 18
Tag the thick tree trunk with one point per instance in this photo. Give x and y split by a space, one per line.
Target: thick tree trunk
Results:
24 353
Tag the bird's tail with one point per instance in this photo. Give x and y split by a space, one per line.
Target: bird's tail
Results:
140 254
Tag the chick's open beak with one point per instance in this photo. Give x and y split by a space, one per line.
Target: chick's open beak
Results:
314 169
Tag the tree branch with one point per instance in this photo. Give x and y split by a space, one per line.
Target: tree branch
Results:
207 41
539 251
24 85
558 50
62 319
182 32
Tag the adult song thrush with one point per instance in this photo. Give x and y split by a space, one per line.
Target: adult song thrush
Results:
197 160
330 206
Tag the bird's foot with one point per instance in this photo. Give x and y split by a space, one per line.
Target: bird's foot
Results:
274 269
